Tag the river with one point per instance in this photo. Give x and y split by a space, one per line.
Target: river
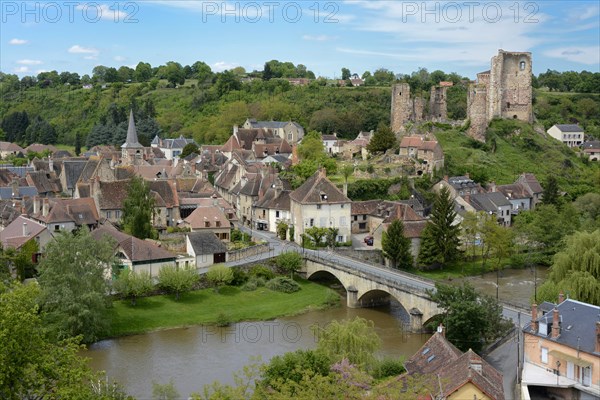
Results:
199 355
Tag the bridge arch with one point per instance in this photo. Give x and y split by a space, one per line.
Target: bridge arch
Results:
365 289
326 276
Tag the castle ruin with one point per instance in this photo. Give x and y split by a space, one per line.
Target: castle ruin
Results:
406 108
502 92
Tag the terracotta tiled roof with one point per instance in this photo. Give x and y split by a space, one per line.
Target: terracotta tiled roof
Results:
231 144
513 191
13 234
112 194
211 215
533 183
167 191
318 189
135 249
411 141
364 207
435 353
429 145
8 146
275 200
38 148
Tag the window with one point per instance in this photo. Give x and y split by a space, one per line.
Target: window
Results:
318 206
362 225
312 222
365 217
218 224
342 206
522 65
340 239
207 224
118 214
109 214
290 136
356 217
276 214
544 355
56 228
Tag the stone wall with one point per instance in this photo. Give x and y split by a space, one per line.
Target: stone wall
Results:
438 109
248 252
476 111
402 107
416 109
374 256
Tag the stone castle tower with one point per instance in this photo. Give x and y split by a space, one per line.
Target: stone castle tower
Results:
502 92
406 108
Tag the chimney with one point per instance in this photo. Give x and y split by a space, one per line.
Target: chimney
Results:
492 186
36 205
50 164
561 297
25 229
45 207
467 175
441 330
15 187
534 314
235 129
597 348
555 323
346 189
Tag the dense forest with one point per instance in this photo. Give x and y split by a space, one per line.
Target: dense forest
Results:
193 101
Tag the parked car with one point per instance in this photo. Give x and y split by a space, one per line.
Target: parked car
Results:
369 240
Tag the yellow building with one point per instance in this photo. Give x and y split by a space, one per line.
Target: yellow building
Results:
562 351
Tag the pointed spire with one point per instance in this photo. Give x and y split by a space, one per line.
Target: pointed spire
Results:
132 139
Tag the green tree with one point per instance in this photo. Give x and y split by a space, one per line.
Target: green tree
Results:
72 276
177 280
40 131
354 340
551 193
189 149
138 210
282 229
289 261
132 285
383 139
331 236
575 270
174 74
77 144
396 246
471 319
293 366
440 237
32 365
165 391
227 81
219 275
143 72
345 74
311 147
316 234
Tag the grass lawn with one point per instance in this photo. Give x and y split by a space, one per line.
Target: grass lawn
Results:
204 307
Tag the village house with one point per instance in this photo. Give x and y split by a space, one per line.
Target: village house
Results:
459 186
532 186
273 207
211 219
562 351
570 134
15 188
135 254
329 142
591 149
22 230
493 204
59 214
428 154
454 375
206 249
171 148
318 202
357 147
10 149
290 131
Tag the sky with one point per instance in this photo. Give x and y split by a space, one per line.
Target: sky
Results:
362 35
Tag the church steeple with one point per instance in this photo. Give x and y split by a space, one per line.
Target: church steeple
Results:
132 140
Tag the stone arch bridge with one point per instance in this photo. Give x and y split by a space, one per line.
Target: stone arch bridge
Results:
370 287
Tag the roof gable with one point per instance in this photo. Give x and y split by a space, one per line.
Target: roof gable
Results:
318 189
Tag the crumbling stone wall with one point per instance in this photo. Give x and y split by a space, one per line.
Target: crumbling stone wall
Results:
406 108
402 107
438 109
477 111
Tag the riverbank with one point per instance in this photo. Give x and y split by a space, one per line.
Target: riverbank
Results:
207 307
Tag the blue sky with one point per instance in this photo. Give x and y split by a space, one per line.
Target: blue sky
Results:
325 36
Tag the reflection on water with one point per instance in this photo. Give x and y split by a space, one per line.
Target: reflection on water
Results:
200 355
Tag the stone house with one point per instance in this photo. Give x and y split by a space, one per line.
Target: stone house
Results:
570 134
209 219
592 150
562 351
22 230
357 147
10 149
329 142
135 254
171 148
428 153
273 207
290 131
318 202
457 375
532 186
492 203
459 186
59 214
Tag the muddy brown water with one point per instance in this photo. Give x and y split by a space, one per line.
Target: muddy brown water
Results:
199 355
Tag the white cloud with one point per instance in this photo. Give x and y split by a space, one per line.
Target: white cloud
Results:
77 49
21 70
102 11
319 38
223 66
18 42
583 13
29 62
588 55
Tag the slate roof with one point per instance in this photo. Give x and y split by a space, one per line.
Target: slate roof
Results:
594 144
460 182
489 201
393 210
329 138
569 127
132 139
275 200
272 124
112 194
252 186
206 243
136 250
12 235
318 189
20 171
62 154
178 143
578 324
72 171
9 211
88 171
7 192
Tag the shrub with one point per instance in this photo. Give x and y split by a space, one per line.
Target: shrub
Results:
260 271
239 277
253 284
223 319
283 284
389 367
219 275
